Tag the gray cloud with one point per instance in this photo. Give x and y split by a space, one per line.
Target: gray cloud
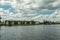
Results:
27 8
37 4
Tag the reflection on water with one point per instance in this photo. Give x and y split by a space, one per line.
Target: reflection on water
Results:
37 32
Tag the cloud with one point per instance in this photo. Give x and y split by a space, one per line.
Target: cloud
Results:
56 15
5 14
36 4
28 8
56 3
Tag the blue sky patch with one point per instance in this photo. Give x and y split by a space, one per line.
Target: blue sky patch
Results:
6 7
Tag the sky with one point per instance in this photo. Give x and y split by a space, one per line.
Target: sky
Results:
37 10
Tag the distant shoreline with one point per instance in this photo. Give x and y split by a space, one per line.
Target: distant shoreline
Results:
26 24
18 23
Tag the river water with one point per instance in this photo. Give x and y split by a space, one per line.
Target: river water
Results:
35 32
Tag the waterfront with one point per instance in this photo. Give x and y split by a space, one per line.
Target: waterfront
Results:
34 32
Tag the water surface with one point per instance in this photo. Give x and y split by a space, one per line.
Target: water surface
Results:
37 32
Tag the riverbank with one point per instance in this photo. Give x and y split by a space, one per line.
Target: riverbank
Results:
27 24
18 23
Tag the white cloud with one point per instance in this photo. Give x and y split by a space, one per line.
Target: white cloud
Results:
29 7
56 3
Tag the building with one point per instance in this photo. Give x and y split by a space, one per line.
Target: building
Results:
14 22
